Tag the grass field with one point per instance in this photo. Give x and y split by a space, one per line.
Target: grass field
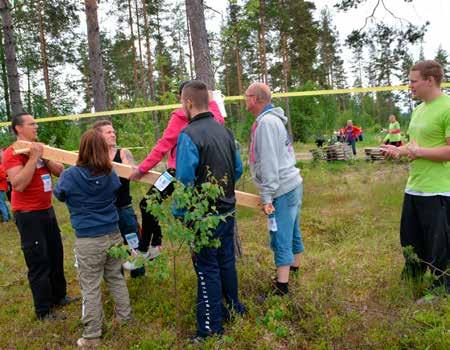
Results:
348 295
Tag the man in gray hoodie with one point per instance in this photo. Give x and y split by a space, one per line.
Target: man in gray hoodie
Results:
272 163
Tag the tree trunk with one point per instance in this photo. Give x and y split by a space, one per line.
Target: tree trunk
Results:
43 47
95 55
262 42
189 39
135 73
151 81
141 62
202 58
4 77
286 69
29 93
11 59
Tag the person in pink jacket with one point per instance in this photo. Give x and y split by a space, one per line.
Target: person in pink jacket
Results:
150 242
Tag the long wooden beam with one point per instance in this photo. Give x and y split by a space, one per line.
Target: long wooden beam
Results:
123 170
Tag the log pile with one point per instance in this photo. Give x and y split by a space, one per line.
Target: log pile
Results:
338 151
373 154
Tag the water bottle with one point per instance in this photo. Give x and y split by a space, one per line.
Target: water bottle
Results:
272 223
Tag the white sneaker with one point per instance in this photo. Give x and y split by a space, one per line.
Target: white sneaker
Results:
154 251
129 265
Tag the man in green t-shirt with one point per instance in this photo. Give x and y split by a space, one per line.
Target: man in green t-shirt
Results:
394 136
426 206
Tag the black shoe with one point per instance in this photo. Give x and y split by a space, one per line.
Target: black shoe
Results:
51 316
139 272
66 301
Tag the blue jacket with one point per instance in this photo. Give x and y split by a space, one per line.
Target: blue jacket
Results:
90 199
206 148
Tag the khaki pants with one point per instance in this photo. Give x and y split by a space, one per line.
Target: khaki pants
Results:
93 264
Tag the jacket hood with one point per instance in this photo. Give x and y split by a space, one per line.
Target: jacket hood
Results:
276 111
92 184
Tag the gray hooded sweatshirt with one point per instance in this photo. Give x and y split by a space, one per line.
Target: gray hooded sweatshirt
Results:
272 157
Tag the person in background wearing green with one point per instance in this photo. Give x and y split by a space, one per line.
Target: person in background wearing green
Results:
426 206
394 136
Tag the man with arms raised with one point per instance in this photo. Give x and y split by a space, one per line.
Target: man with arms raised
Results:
40 236
426 206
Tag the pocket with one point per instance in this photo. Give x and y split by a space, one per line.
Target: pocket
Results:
34 253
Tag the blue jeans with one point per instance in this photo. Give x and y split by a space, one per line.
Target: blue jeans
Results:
4 208
287 240
128 224
353 144
127 221
217 280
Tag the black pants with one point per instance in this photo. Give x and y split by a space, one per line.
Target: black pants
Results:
43 251
151 230
425 226
217 280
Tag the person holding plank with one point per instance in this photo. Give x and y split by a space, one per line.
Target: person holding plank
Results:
272 163
128 223
90 192
207 149
425 216
40 236
167 145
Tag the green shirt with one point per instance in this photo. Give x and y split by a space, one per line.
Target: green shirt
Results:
394 137
430 128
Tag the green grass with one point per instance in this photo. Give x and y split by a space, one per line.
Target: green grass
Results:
348 294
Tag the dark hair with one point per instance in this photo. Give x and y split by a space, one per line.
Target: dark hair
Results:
197 92
17 119
429 68
182 85
94 153
101 123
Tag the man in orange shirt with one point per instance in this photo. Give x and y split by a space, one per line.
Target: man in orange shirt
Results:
31 201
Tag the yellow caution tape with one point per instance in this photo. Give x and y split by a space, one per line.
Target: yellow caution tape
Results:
228 98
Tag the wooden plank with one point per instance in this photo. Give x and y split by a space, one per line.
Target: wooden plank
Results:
123 170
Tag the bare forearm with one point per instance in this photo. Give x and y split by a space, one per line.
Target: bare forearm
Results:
438 154
54 167
22 179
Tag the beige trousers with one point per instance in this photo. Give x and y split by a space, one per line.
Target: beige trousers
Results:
93 264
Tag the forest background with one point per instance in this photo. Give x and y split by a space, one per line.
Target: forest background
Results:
146 50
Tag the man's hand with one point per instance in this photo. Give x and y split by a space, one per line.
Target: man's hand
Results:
136 174
268 208
391 151
413 150
36 150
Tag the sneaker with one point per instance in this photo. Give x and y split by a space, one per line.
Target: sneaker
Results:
128 265
154 251
52 316
67 300
84 343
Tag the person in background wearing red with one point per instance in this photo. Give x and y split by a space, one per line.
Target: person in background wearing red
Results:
3 189
31 201
166 145
351 134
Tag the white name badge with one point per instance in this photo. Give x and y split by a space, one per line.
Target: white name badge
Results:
47 182
163 181
272 223
132 240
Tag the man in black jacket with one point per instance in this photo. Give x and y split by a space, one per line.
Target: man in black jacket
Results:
205 148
